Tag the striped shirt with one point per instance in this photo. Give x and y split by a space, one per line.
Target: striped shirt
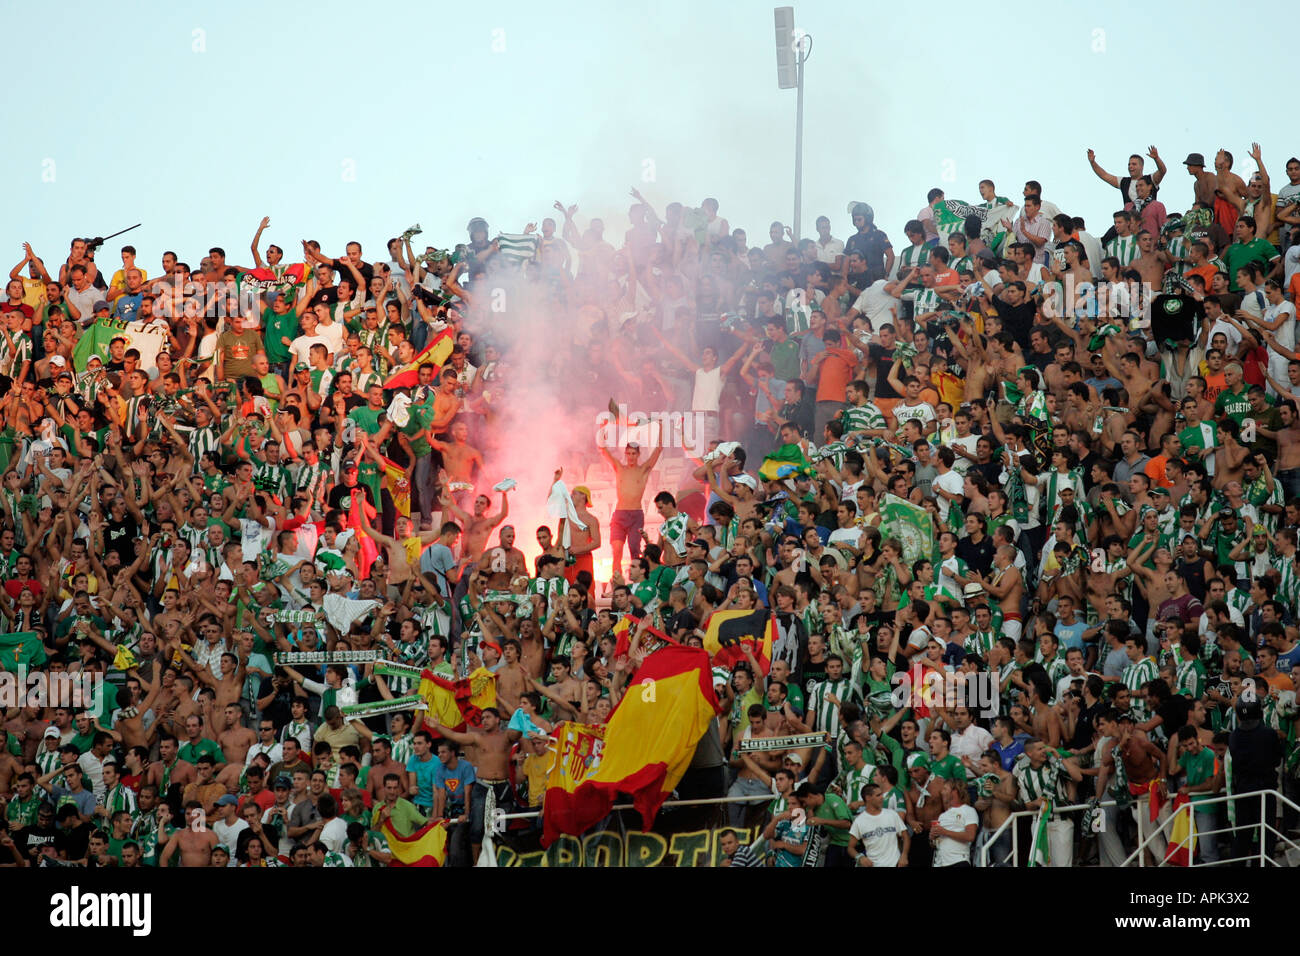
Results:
272 478
1123 248
1135 676
203 440
1038 782
1191 678
979 643
517 248
826 715
861 417
14 351
674 531
855 780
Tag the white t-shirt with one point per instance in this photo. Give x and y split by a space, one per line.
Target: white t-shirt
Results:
708 390
948 851
878 836
334 335
850 536
953 484
961 465
301 347
877 304
228 835
829 252
334 834
922 413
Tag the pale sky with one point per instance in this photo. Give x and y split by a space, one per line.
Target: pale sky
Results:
345 121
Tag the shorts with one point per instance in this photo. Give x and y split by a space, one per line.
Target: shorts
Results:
1012 627
627 524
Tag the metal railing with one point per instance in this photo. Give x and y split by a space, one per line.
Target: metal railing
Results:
1265 826
499 817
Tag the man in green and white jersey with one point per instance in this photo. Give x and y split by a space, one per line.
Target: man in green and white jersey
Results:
1124 246
1140 671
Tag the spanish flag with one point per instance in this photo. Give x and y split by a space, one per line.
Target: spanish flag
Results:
458 703
727 633
648 744
427 846
436 353
1182 834
398 483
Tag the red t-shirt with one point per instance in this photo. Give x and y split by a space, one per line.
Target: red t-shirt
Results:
15 588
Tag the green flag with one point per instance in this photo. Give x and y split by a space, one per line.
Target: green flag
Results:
1041 855
94 341
784 462
911 524
21 648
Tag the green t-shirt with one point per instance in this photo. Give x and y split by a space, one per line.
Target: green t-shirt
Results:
834 808
1235 404
190 753
417 428
277 327
1200 768
1239 253
405 818
366 418
949 768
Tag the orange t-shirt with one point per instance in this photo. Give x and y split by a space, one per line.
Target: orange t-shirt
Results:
1214 384
835 374
1206 272
1155 470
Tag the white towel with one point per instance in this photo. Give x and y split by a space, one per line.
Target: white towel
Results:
560 505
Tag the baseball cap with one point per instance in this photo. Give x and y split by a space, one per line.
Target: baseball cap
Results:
1194 159
1227 513
53 731
58 360
101 304
794 758
302 367
349 466
283 781
747 480
228 801
699 543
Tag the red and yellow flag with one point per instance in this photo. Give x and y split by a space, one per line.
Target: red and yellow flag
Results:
727 633
398 483
436 353
1182 834
458 703
427 846
648 744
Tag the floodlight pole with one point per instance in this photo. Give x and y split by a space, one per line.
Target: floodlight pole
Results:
802 49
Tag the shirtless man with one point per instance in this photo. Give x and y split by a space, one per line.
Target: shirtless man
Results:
628 520
195 842
1228 188
169 769
1151 262
505 556
532 651
583 542
479 524
753 770
924 804
513 680
130 720
490 757
1006 587
1002 791
564 690
459 458
236 738
403 551
230 685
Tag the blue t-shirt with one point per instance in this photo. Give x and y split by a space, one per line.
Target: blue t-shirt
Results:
456 782
438 558
1288 659
126 306
1009 754
425 777
1070 635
